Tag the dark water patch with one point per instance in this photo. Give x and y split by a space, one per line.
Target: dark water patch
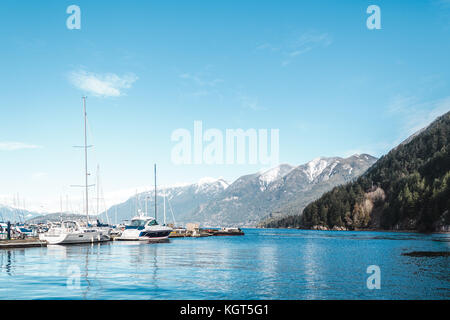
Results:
442 240
428 254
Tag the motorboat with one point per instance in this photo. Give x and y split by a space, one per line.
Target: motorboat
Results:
146 229
71 232
143 227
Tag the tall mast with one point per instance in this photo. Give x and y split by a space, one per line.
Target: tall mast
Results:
86 162
165 207
98 188
156 212
146 205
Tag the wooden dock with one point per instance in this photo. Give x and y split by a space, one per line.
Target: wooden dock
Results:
13 244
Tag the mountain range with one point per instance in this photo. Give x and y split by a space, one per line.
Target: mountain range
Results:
8 213
254 197
262 196
213 202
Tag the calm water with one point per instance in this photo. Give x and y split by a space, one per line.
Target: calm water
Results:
263 264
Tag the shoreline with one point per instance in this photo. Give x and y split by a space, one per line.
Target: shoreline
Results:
360 230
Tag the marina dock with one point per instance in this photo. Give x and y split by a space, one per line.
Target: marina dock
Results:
196 232
29 243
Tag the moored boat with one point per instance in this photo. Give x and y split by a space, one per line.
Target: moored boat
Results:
145 228
229 232
70 232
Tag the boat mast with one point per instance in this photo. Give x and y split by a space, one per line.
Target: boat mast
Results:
165 207
146 205
98 188
86 162
156 213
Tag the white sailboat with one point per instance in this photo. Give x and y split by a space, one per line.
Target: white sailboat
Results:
70 232
146 228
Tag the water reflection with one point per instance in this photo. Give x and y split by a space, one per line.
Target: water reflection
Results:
8 260
268 268
312 268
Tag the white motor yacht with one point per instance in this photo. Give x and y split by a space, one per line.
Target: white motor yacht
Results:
145 228
70 232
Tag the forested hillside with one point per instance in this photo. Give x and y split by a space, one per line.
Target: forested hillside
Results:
407 189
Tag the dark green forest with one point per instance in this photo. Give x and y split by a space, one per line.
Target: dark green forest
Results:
407 189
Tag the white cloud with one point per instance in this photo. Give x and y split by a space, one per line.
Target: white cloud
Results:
38 175
201 81
417 114
13 146
299 46
305 43
414 114
102 85
249 102
201 84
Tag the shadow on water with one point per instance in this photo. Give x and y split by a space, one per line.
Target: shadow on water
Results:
427 254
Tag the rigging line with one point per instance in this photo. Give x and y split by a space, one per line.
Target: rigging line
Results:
102 197
93 154
173 216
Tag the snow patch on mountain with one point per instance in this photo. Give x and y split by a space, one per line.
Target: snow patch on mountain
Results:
271 175
211 184
274 174
349 168
315 168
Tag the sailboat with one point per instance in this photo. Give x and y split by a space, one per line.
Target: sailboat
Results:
143 227
70 232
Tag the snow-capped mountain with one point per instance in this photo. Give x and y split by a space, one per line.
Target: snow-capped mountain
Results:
181 201
269 176
285 189
279 190
12 214
213 202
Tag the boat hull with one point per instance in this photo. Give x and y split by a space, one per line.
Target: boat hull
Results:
74 238
145 235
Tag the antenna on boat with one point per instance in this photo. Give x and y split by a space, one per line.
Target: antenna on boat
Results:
156 212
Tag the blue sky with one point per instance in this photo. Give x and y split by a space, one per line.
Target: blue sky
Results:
311 69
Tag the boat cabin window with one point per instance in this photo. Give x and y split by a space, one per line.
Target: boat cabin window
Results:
137 223
152 223
70 225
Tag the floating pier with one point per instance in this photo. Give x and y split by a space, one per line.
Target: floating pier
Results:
29 243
